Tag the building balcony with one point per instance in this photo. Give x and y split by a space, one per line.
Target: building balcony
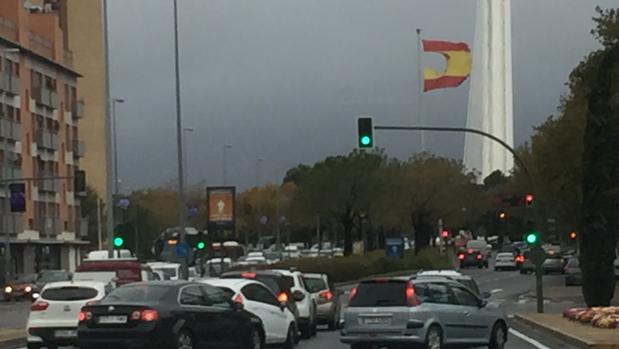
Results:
49 226
47 140
10 130
45 97
9 84
79 148
12 223
77 109
50 185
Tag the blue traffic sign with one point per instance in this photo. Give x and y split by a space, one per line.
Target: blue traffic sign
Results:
394 248
182 249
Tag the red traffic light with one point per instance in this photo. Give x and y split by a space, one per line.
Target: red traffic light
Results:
445 234
529 199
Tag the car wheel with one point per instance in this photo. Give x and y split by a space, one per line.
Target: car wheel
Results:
256 341
184 340
498 337
297 338
434 338
306 331
335 321
289 343
315 326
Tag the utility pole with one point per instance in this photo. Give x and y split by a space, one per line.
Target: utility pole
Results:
108 140
318 231
99 237
225 163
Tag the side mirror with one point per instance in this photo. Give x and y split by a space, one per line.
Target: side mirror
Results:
483 303
298 296
486 295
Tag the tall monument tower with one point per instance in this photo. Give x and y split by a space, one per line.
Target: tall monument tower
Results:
491 96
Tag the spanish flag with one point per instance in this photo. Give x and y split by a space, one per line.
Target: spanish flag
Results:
458 56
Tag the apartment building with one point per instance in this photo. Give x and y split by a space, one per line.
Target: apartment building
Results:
39 137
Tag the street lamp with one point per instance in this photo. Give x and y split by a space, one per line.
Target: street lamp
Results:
225 164
115 144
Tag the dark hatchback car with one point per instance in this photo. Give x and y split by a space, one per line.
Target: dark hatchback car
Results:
471 258
168 314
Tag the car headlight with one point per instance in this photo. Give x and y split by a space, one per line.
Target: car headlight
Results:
8 289
35 295
28 289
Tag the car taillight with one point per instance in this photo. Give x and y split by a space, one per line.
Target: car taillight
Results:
461 256
352 295
39 306
478 256
470 251
149 315
84 316
238 299
282 297
520 259
135 315
411 299
248 275
326 295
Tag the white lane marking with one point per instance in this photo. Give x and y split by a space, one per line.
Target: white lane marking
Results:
496 290
527 339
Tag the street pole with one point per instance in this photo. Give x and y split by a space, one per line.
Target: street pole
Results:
185 153
258 201
225 164
278 218
108 135
99 237
318 231
115 145
182 207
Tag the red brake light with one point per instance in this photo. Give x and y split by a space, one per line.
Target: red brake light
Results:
352 295
39 306
282 297
248 275
84 315
478 256
461 256
520 259
411 299
326 295
470 250
238 299
149 315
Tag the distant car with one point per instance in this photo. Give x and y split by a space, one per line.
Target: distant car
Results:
21 287
433 313
465 280
46 276
278 321
52 321
553 264
471 258
327 299
255 260
573 274
126 271
505 260
527 265
165 270
168 314
305 302
292 251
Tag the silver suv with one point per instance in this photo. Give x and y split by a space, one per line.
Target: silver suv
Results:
432 312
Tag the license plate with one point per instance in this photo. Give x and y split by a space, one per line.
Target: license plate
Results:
376 321
112 319
65 333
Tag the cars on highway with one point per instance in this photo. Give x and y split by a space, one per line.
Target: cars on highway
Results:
327 299
166 270
22 286
52 321
279 322
471 258
465 280
46 276
573 274
306 303
482 247
505 261
125 270
168 314
433 313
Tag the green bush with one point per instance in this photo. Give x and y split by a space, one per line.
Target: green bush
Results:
342 269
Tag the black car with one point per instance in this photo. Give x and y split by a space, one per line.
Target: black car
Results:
168 314
471 258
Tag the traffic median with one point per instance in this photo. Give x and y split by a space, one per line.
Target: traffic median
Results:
10 338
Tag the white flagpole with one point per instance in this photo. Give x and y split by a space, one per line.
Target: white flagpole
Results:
420 94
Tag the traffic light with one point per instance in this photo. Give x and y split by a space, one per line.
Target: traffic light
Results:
532 238
528 199
502 215
200 245
365 132
573 235
17 199
118 241
445 233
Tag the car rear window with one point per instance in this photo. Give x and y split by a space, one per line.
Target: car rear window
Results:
70 293
391 293
138 293
470 284
314 285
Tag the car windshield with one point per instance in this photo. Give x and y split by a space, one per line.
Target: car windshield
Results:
140 293
52 276
24 278
380 294
314 285
69 293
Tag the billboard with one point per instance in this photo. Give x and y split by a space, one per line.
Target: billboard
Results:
220 203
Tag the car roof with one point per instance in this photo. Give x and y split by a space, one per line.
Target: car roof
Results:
439 272
235 283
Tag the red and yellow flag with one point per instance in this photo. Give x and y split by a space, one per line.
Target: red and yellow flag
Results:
458 56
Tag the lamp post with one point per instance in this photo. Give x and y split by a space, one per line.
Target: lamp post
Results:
115 144
186 131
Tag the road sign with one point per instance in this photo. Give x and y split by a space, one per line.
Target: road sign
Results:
394 248
537 255
182 249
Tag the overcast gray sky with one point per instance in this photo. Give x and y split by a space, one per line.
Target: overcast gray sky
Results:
285 80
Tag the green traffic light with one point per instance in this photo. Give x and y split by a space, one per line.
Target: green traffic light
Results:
118 241
200 245
531 238
366 140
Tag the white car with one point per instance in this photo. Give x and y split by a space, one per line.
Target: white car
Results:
166 271
505 260
306 303
277 320
53 317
